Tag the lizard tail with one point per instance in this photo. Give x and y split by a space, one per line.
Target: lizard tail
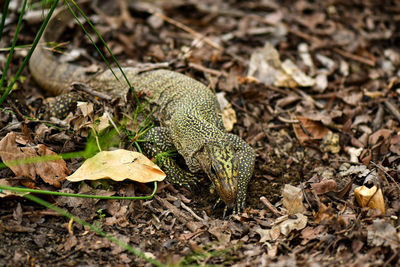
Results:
51 74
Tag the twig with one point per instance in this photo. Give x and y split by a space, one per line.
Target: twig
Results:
355 57
181 216
89 90
191 212
34 213
385 172
271 207
190 31
206 70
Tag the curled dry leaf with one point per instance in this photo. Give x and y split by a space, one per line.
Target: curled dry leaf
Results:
293 199
298 223
228 113
266 67
284 225
103 123
118 165
52 172
370 197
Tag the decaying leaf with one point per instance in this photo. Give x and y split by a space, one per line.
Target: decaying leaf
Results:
86 108
266 67
52 172
293 199
228 113
330 143
284 226
6 193
118 165
370 197
324 186
103 123
298 223
269 234
315 130
383 233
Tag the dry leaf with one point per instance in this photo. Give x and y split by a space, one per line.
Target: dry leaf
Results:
382 134
118 165
5 193
103 123
266 67
324 186
268 234
228 113
315 130
289 225
383 233
86 108
52 172
370 197
330 143
293 199
296 74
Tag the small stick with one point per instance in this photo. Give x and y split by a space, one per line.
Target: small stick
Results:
189 30
191 212
206 70
271 207
355 57
383 169
89 90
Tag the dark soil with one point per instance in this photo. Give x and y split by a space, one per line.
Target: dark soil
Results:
354 44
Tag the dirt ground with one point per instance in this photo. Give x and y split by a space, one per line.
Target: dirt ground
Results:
316 91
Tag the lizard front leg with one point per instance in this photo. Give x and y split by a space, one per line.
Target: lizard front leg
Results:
159 141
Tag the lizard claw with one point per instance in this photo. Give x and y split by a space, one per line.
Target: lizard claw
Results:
216 203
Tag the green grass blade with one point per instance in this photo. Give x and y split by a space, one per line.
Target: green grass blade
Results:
108 49
53 193
28 56
3 17
95 229
10 54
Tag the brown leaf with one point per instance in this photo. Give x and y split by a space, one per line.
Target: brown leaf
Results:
395 144
118 165
310 233
324 187
379 135
309 130
220 232
52 172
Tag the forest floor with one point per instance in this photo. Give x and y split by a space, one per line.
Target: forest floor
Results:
315 88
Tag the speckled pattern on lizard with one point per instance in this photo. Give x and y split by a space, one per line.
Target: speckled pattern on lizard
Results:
187 110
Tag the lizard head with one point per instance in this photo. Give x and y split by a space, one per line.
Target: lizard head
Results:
223 170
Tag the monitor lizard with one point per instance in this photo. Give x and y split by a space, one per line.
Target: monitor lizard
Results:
187 110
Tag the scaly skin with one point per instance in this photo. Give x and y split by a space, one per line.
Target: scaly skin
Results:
188 112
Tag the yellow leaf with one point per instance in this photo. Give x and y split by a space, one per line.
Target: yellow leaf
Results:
118 165
370 197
